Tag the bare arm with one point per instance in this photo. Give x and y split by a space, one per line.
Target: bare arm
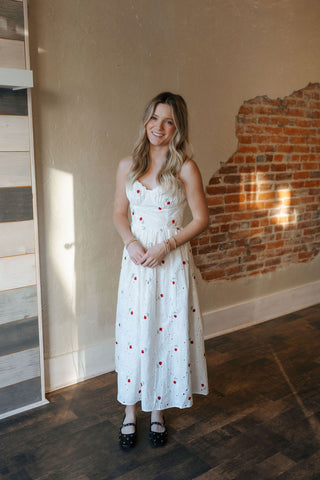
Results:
191 178
120 212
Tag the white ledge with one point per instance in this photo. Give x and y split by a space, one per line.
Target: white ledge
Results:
16 78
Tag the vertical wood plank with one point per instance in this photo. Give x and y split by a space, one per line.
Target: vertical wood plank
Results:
13 102
18 336
15 169
12 54
20 394
19 367
17 304
17 272
16 238
16 204
12 24
14 133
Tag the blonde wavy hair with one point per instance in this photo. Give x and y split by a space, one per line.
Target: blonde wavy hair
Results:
179 148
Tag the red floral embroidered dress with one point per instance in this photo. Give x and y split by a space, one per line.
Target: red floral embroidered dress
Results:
159 355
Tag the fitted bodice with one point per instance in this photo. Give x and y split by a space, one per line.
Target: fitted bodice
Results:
155 209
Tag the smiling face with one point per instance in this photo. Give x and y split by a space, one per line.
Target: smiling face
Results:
160 128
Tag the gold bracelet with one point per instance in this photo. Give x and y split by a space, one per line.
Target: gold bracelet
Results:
175 242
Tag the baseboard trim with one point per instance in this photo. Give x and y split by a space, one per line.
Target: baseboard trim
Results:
77 366
242 315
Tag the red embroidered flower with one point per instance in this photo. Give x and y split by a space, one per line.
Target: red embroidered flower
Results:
145 316
130 346
140 219
189 398
184 262
202 384
131 313
132 213
159 208
175 349
138 191
135 278
168 203
189 364
174 382
194 310
129 380
139 391
142 351
161 295
160 363
162 261
175 316
159 398
160 329
173 221
116 343
173 283
191 341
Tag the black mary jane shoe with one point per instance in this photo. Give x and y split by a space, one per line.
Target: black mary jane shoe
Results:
127 440
158 439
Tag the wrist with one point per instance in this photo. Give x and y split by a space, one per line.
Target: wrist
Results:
130 241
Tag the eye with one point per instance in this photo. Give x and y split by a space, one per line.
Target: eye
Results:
153 117
169 122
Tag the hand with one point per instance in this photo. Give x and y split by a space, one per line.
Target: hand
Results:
136 252
154 255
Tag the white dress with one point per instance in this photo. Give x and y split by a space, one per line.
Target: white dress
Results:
160 358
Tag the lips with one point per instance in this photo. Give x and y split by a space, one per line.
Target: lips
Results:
157 134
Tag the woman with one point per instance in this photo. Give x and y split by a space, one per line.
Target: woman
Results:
160 357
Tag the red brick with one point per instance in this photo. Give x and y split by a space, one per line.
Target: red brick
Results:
218 238
216 210
245 139
215 200
298 175
232 179
228 169
216 190
247 149
236 188
276 244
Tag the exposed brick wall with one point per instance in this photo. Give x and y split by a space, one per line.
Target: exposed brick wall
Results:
264 202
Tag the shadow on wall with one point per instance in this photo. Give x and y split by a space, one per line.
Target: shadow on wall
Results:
264 203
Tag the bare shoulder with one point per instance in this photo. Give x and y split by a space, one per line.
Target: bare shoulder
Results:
125 164
189 170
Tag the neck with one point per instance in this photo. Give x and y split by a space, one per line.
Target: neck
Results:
157 155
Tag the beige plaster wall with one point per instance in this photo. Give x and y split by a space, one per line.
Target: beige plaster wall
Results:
96 63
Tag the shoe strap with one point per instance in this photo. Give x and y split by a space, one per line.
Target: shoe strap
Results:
128 425
157 423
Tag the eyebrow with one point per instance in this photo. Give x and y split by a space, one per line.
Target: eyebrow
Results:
166 118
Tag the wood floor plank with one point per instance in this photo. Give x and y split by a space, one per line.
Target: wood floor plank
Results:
260 421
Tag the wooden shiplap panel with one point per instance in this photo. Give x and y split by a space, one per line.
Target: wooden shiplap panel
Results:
19 395
15 169
13 102
18 336
16 238
16 272
17 304
19 367
16 204
11 20
14 133
12 54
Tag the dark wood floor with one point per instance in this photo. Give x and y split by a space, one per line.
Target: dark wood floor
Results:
260 421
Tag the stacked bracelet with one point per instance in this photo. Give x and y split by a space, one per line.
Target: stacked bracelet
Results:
130 241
